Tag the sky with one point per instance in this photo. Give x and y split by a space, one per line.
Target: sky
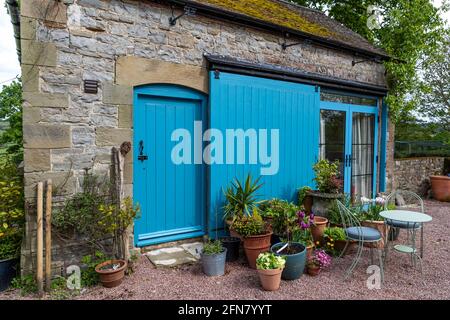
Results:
9 64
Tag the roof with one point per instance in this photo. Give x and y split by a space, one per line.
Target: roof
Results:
295 19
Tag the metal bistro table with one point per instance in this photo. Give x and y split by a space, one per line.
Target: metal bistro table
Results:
414 221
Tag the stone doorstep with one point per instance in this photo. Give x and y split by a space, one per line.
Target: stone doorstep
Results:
182 252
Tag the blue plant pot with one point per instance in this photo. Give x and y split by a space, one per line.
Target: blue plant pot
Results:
295 263
8 270
214 264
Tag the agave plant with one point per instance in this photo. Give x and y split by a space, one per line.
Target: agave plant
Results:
241 198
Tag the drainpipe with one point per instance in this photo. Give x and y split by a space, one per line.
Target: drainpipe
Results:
14 12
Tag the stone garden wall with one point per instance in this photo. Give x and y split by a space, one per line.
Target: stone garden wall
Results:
123 44
413 174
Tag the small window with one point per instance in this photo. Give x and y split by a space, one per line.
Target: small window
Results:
348 99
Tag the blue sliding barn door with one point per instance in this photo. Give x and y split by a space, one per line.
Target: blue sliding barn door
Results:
244 102
171 196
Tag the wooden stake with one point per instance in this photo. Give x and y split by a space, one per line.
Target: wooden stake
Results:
40 239
48 237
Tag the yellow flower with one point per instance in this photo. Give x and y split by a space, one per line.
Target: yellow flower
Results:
328 243
317 242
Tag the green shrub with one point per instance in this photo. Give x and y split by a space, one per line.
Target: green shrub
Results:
326 176
27 284
250 225
335 233
212 247
12 218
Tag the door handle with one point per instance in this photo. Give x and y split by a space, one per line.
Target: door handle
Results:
141 155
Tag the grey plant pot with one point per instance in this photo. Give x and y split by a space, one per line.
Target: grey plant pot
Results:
214 264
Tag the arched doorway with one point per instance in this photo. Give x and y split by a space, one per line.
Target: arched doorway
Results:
171 195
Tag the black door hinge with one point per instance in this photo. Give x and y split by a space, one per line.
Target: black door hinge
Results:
216 74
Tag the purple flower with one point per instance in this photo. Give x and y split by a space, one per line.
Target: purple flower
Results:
311 216
301 215
303 225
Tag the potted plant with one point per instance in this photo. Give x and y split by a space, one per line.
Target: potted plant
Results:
284 218
241 199
370 217
256 235
329 186
335 241
440 186
116 220
294 247
318 227
213 258
319 261
11 222
231 244
271 209
270 267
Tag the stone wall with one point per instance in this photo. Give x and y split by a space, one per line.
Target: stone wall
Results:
123 44
413 174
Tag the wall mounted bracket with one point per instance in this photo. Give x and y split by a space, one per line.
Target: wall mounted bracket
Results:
188 11
285 45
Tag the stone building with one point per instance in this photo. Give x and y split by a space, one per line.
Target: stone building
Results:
97 73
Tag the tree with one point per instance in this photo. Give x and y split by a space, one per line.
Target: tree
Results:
434 93
410 31
11 112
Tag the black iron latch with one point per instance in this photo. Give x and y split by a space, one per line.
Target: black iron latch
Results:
141 156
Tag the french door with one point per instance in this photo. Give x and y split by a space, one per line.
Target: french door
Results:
348 133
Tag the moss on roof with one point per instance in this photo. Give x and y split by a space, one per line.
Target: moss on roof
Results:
274 12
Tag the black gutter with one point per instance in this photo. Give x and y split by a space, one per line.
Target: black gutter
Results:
227 64
14 12
263 25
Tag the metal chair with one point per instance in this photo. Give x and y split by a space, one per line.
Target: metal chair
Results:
355 232
406 200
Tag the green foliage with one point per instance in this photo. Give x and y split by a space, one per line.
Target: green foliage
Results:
89 277
335 233
334 216
410 31
12 218
269 261
250 225
212 247
301 194
326 176
11 111
434 93
241 198
273 207
92 215
27 284
285 220
302 236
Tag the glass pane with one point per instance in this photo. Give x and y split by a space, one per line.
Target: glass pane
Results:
363 138
332 137
342 98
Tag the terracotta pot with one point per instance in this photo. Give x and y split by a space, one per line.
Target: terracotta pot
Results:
309 252
339 245
270 279
440 185
254 245
111 278
313 271
318 228
380 226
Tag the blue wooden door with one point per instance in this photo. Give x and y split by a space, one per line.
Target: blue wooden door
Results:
245 102
171 195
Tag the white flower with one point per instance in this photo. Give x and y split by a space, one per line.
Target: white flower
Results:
365 200
380 200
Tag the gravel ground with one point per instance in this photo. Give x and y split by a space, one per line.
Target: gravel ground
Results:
240 282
